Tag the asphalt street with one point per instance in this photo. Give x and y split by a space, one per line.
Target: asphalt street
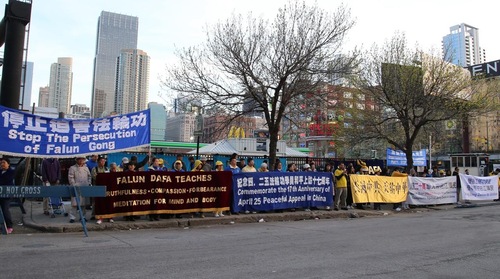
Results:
448 243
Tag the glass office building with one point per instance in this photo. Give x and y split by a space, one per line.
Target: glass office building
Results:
115 32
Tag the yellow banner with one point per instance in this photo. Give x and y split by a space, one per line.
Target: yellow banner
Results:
383 189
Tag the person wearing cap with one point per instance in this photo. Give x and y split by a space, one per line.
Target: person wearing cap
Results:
263 168
161 163
250 167
306 167
6 179
139 165
206 165
155 165
179 158
123 164
177 166
219 166
78 175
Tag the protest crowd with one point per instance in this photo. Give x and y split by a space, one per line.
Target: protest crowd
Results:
348 182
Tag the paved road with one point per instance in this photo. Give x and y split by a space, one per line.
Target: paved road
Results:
458 243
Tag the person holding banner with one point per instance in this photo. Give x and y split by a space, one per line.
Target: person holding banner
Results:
51 175
100 168
340 188
219 166
78 175
198 166
397 173
6 179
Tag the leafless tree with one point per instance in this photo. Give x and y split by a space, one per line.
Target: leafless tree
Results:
414 90
268 64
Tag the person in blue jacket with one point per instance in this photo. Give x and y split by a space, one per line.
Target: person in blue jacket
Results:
6 179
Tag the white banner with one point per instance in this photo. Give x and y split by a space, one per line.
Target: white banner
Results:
432 190
479 188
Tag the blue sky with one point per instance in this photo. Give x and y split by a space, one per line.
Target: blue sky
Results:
62 28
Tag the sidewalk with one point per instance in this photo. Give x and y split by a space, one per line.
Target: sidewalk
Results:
35 219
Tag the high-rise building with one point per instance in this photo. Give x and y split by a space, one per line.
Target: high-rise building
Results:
25 94
461 47
132 81
181 127
79 109
61 84
158 121
115 32
43 97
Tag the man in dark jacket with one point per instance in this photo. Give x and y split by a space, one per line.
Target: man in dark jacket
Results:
6 179
51 175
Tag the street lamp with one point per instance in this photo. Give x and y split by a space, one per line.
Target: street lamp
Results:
198 132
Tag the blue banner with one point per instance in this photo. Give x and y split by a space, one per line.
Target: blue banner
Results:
398 158
266 191
23 134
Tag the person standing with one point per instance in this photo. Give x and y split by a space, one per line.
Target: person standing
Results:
292 167
313 167
100 168
51 175
263 168
161 164
278 166
250 166
397 173
350 201
191 162
206 166
198 166
78 175
340 188
92 162
241 164
155 165
233 167
219 166
139 165
179 158
114 168
6 179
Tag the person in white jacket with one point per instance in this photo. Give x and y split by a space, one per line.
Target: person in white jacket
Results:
78 175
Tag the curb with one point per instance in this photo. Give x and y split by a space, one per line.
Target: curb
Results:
207 221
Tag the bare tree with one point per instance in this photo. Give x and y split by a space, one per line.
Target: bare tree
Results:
414 90
267 64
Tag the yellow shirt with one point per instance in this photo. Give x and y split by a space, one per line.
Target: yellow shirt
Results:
342 182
